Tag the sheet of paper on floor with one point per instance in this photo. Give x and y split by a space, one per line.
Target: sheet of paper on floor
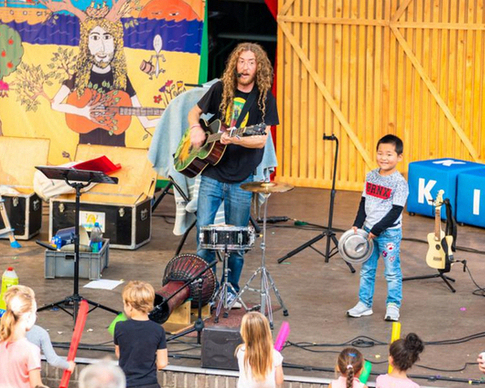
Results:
104 284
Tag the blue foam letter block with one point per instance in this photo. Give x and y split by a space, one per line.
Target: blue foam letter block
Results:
427 177
470 204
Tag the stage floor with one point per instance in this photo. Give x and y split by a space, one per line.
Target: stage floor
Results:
317 293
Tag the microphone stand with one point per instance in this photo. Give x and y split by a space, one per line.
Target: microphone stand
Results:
328 232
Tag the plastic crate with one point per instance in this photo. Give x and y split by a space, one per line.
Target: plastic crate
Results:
59 264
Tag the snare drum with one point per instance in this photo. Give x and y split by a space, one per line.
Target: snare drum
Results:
221 237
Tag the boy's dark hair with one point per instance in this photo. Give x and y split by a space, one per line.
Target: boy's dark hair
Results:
405 352
392 139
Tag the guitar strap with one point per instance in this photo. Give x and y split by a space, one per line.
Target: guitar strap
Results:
445 247
450 228
247 105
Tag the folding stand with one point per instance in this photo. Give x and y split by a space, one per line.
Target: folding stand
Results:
440 274
74 178
225 288
450 230
267 283
328 232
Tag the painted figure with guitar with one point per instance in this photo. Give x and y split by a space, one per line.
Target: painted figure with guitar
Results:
99 99
242 98
380 214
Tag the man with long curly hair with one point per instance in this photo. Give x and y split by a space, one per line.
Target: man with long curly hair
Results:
247 80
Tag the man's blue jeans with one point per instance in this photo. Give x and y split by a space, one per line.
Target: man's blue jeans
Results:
237 208
388 246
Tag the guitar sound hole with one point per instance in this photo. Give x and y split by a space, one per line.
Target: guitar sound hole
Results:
438 247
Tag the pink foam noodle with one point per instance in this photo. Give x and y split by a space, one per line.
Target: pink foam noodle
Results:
282 336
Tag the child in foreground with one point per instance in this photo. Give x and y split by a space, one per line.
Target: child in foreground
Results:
403 353
140 344
260 365
350 364
20 359
40 337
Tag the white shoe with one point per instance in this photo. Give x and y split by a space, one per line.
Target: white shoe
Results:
359 310
392 313
230 299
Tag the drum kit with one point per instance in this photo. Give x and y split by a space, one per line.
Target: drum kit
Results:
226 239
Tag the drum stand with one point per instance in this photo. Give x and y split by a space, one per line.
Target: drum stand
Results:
267 282
225 288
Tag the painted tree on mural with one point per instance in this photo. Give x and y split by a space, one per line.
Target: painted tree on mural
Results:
11 52
31 79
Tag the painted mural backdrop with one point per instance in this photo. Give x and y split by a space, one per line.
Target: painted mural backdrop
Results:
94 72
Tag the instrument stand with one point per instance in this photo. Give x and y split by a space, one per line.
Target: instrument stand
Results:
225 288
267 282
159 314
74 178
199 323
328 232
440 274
450 230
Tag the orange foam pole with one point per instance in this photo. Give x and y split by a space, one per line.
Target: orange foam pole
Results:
76 338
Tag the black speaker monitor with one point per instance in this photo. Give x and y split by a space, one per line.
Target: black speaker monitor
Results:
218 347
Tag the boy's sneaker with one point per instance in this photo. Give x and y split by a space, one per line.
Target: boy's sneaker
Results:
359 310
230 299
392 313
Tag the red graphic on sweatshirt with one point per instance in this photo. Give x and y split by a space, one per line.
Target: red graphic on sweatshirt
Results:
378 191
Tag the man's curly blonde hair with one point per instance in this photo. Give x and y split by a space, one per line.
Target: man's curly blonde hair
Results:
85 61
264 77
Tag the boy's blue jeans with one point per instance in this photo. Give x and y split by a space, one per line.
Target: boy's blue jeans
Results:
237 208
388 246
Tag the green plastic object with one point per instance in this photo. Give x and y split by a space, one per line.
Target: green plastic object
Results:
364 376
120 317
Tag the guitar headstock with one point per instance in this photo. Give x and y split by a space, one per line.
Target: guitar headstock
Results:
255 130
439 199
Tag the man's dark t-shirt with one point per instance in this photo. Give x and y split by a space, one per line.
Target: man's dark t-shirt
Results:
139 342
100 135
237 162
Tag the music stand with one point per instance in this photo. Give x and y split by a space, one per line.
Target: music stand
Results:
77 179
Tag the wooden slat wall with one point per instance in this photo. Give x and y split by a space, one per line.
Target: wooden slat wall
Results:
363 68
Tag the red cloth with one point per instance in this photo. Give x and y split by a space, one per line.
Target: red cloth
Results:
273 6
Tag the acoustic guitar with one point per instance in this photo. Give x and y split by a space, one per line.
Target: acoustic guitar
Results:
118 111
191 161
439 254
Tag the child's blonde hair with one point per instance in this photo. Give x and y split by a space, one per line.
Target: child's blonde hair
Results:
349 364
256 334
19 301
139 295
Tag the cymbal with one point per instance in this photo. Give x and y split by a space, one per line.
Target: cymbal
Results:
266 187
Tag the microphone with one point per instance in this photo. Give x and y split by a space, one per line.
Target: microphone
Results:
331 137
274 220
238 75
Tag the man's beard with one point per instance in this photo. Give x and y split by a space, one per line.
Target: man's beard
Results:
245 82
101 64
